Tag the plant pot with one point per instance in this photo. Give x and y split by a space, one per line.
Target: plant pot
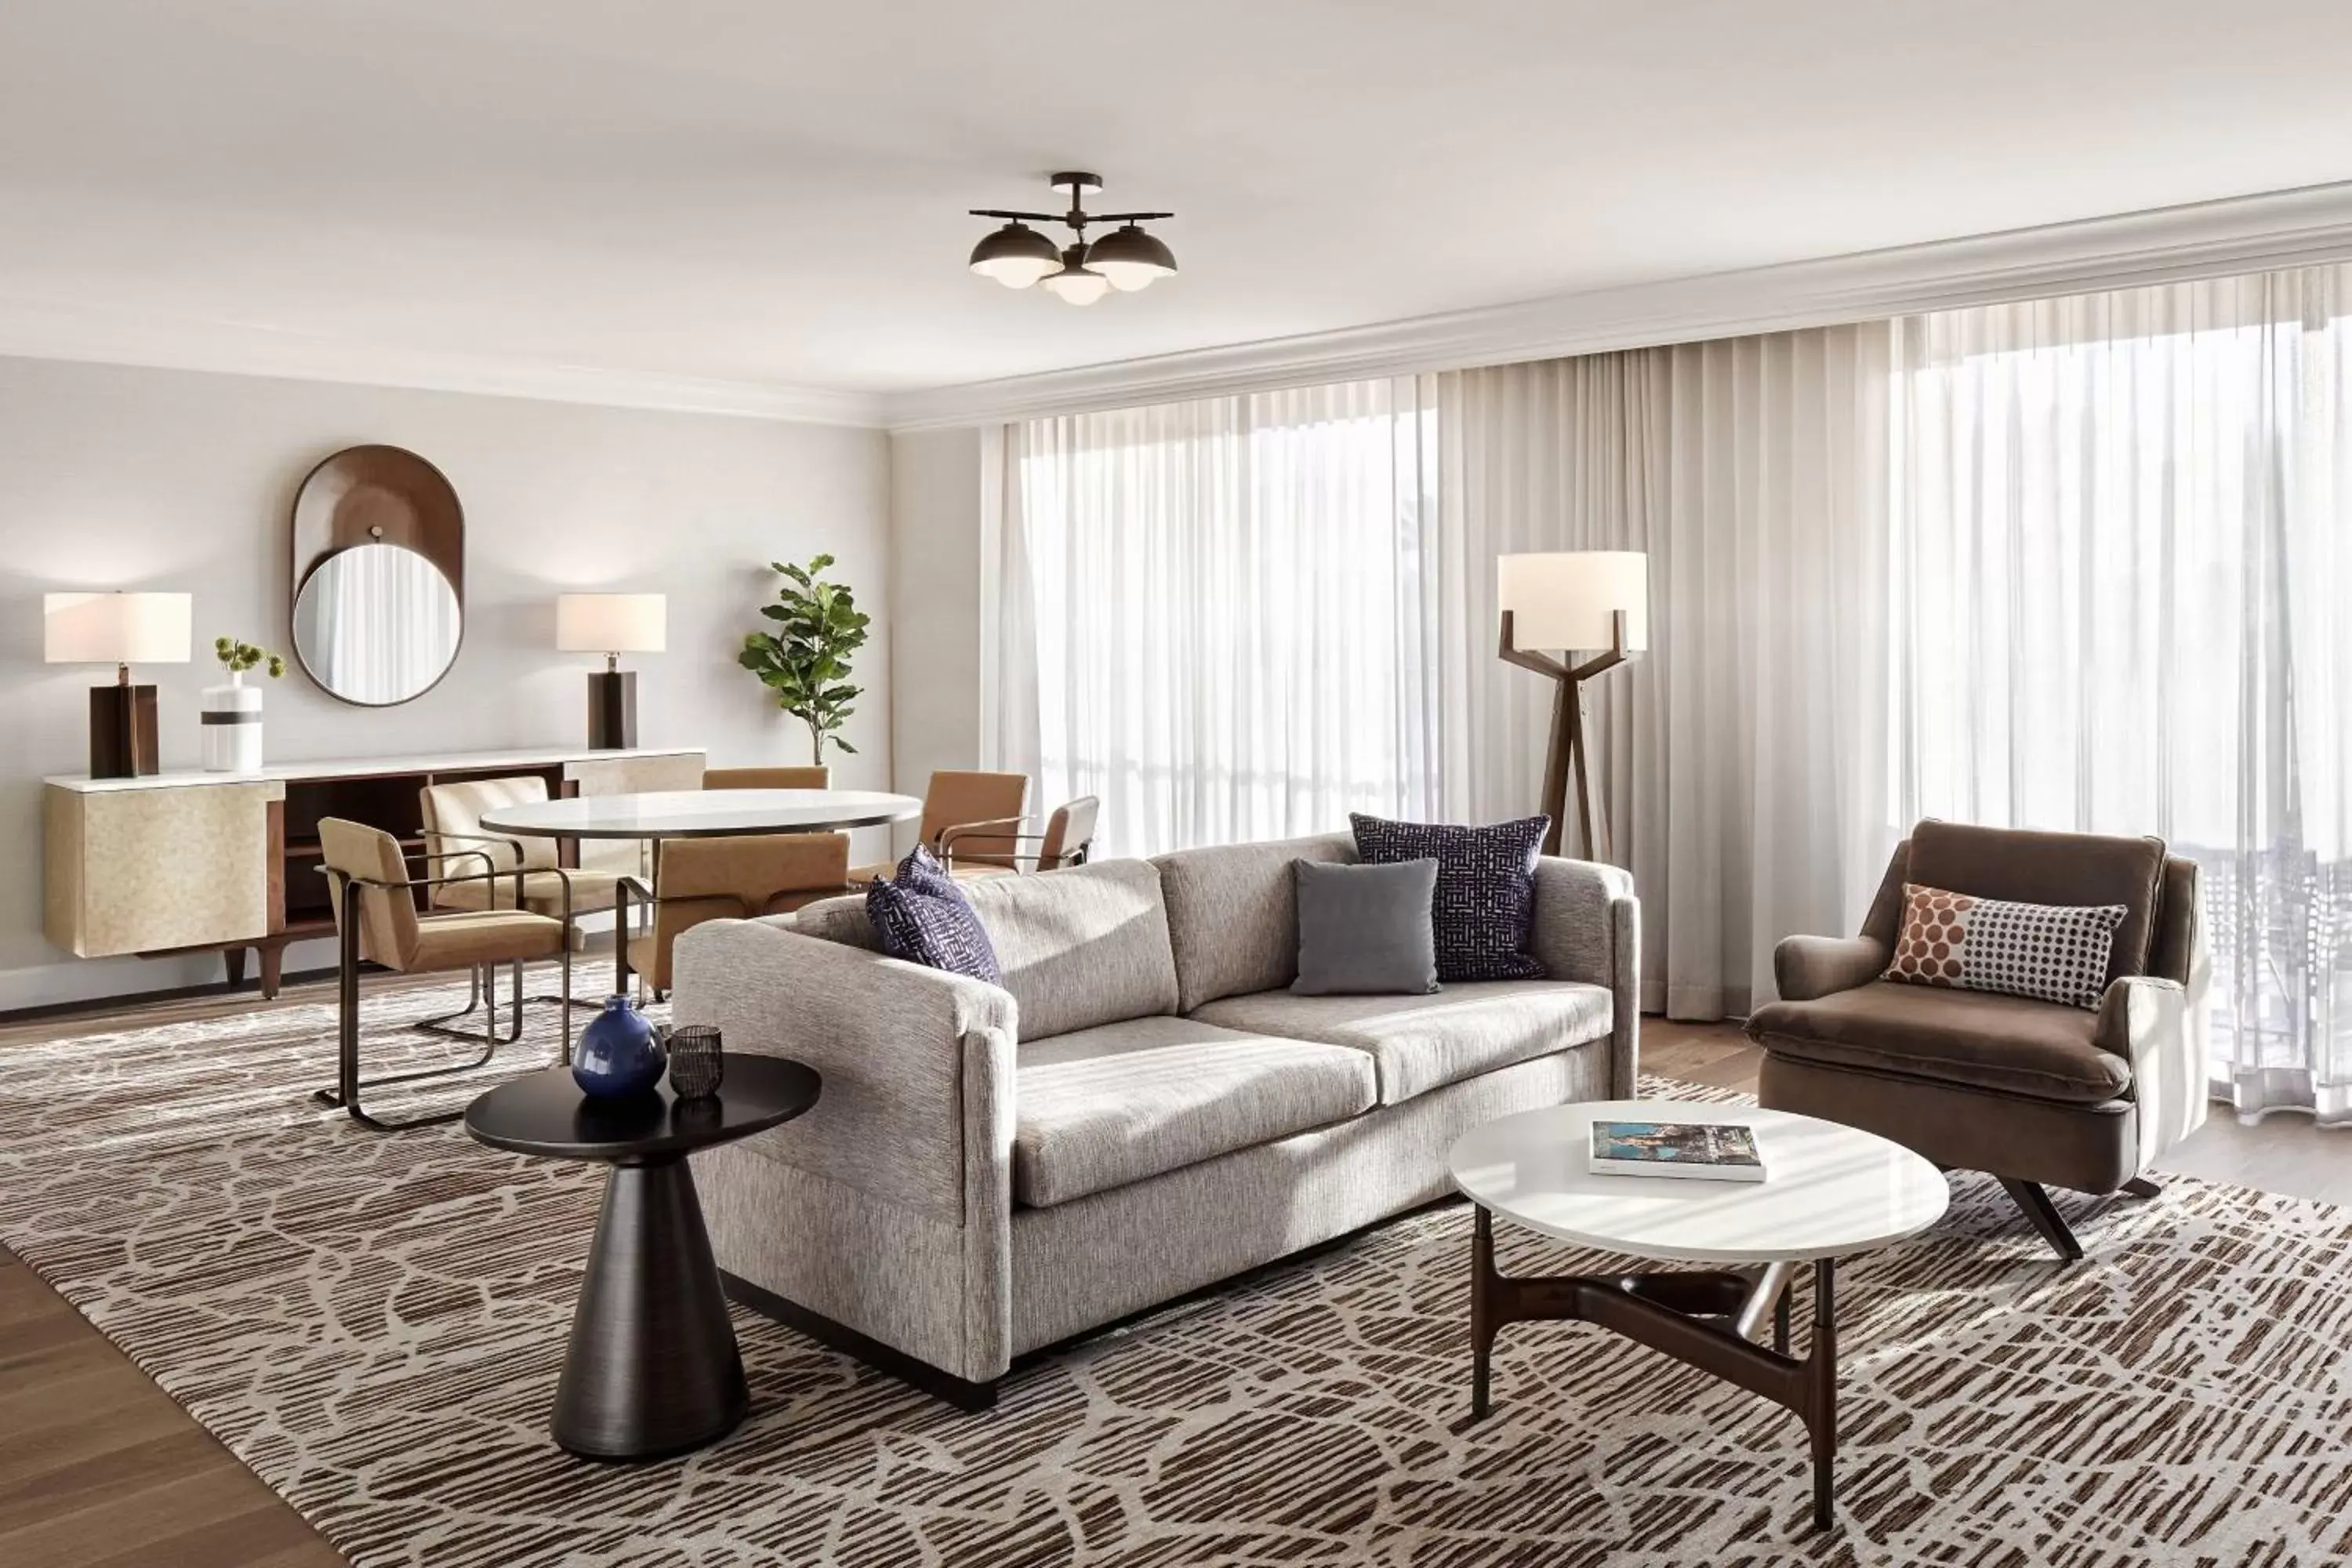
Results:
232 724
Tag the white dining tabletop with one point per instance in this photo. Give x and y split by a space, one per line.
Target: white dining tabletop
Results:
702 814
1828 1191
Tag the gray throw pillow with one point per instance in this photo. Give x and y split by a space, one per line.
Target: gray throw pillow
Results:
1364 931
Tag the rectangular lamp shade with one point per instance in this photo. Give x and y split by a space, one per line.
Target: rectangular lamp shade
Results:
611 623
1564 599
115 628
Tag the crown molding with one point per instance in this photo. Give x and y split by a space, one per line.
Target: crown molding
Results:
34 330
2244 233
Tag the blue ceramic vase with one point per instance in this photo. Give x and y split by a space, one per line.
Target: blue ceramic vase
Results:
618 1053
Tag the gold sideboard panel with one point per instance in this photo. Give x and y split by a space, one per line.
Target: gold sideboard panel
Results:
142 871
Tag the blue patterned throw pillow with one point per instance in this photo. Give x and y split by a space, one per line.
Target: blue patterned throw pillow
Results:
923 917
1484 909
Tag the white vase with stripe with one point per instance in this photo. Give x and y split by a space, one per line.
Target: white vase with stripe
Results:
232 722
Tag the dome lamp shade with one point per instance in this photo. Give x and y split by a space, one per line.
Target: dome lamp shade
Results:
1016 256
1132 259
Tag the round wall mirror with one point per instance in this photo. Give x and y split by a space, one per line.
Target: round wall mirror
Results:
376 624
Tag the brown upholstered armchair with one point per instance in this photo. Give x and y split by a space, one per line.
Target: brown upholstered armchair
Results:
2036 1094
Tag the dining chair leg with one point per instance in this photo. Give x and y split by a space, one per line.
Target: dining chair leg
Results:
345 1095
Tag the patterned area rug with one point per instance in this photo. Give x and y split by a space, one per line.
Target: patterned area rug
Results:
375 1325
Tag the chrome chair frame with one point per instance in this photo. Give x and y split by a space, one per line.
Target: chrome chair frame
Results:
997 832
345 1094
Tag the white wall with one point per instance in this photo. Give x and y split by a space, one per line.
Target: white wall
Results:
935 533
114 477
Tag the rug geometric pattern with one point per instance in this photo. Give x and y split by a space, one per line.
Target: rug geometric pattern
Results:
374 1324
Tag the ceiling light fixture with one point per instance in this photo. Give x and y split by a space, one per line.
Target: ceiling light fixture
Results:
1128 258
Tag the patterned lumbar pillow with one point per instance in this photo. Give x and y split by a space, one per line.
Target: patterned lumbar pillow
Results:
923 917
1482 913
2051 952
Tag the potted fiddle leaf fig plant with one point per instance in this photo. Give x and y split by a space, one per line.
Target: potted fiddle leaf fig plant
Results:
232 713
804 658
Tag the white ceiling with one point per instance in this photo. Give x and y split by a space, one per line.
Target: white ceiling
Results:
771 191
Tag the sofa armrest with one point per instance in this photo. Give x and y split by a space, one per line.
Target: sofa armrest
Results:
2158 1025
1588 927
1805 968
894 1043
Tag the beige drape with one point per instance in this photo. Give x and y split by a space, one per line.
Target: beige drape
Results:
1743 756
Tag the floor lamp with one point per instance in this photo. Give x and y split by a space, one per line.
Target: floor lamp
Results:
1565 601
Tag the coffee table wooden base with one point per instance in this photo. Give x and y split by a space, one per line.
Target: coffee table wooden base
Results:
653 1368
1700 1318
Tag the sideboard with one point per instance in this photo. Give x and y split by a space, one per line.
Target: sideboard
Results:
191 862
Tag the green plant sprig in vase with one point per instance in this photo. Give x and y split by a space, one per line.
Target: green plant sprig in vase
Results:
233 712
236 658
804 660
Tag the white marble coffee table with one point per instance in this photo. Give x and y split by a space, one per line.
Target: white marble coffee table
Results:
1829 1192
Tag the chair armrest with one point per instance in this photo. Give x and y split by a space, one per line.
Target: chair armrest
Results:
1805 968
2158 1027
999 838
1588 927
894 1042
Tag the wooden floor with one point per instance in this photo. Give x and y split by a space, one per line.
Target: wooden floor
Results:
98 1465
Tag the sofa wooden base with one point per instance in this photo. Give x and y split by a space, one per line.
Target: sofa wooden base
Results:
920 1376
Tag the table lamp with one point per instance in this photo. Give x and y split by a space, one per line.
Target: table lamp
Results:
612 625
120 629
1570 601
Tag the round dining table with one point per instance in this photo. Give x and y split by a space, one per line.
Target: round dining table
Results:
656 815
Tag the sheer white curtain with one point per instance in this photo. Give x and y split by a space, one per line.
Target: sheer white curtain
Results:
2122 558
1214 615
1744 754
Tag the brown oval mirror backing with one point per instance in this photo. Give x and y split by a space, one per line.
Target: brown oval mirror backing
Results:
379 575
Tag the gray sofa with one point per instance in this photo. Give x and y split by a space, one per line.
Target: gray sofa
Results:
1141 1110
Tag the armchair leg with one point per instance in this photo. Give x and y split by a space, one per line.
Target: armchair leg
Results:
2031 1198
2142 1188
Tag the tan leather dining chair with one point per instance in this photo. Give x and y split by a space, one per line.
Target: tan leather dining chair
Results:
767 778
376 921
453 827
965 802
703 880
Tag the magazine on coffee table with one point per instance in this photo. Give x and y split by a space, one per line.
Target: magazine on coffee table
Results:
1702 1151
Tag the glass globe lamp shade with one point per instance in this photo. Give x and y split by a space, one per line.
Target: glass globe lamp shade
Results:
1131 259
1075 284
1016 256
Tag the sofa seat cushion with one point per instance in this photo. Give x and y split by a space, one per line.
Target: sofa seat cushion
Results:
1101 1107
1973 1038
1419 1043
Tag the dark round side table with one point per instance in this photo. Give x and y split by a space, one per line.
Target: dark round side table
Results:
653 1369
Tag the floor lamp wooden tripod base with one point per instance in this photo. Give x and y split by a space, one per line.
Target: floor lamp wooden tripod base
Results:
1565 763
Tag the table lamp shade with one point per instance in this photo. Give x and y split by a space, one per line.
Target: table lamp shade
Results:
115 628
1565 599
611 623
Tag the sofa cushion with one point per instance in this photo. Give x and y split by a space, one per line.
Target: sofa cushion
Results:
1099 1108
1232 914
924 919
1484 911
1422 1042
2028 867
1973 1038
1364 931
1078 947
